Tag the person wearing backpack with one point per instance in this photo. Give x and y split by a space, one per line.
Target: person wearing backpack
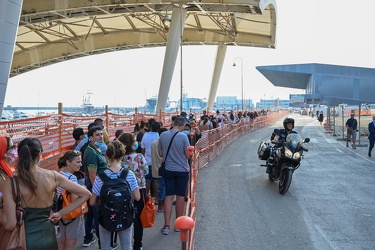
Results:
70 230
138 165
119 185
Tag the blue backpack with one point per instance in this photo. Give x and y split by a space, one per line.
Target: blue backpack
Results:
116 203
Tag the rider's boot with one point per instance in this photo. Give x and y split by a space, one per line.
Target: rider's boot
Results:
269 169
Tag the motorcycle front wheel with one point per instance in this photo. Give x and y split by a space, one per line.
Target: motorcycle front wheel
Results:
285 180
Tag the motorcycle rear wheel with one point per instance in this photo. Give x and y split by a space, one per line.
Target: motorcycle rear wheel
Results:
285 180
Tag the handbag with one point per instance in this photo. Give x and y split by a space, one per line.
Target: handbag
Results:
64 200
161 170
79 211
15 239
349 131
148 213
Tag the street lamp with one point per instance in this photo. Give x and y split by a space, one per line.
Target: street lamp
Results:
234 65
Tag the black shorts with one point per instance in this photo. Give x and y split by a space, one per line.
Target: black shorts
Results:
176 183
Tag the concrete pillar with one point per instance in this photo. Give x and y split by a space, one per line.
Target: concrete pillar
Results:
10 12
220 56
171 51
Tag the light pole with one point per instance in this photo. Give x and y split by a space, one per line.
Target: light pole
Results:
234 65
181 41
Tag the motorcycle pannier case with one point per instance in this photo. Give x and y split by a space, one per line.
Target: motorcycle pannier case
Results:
264 151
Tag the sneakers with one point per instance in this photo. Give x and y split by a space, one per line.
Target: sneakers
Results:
176 230
88 242
165 230
114 246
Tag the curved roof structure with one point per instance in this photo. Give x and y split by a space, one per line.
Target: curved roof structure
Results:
54 31
325 84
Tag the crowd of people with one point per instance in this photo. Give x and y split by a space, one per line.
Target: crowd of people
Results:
92 154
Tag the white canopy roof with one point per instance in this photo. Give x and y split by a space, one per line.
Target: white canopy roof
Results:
53 31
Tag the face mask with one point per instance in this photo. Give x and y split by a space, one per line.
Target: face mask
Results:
99 144
135 147
13 155
186 132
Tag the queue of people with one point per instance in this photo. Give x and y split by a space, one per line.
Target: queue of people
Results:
79 174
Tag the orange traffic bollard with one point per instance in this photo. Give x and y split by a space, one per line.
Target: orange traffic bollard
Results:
184 223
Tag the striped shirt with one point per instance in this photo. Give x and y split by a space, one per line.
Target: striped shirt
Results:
114 175
69 176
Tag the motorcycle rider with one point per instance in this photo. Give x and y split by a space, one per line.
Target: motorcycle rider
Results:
280 136
288 124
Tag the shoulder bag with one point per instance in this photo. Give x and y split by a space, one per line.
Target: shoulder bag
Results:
15 239
349 131
161 170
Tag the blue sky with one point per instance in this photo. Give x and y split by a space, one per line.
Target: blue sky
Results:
308 31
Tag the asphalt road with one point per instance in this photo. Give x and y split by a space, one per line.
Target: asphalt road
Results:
330 204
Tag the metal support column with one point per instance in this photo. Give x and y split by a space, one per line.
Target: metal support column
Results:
9 20
171 51
220 56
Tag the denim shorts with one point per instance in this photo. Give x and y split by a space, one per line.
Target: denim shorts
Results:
176 183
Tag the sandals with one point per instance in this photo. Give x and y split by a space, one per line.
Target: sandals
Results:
165 230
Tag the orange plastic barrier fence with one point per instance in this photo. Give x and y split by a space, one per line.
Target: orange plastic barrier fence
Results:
55 131
211 144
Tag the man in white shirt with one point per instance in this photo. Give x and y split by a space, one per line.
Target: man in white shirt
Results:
219 118
146 142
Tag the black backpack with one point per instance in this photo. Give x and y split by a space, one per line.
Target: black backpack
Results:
116 203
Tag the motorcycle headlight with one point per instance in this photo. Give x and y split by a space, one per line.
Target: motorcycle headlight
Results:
296 155
288 153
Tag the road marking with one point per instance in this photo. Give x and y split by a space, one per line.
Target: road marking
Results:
313 140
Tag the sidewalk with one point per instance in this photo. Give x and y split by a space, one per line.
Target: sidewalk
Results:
153 239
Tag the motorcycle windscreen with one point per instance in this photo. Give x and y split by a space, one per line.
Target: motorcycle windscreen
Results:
293 140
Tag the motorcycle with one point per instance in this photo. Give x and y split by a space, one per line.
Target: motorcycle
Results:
284 158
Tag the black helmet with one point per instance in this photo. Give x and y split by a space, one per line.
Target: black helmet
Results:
288 120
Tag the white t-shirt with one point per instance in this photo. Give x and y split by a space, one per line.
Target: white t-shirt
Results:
146 142
220 116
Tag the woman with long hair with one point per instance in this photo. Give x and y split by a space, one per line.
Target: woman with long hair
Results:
37 187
